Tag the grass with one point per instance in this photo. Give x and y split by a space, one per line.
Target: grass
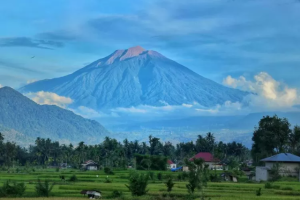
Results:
289 188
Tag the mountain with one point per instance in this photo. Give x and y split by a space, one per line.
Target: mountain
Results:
133 77
26 119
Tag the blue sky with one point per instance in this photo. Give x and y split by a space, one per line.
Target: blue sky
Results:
215 38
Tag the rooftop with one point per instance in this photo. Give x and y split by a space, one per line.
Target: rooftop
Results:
283 157
207 157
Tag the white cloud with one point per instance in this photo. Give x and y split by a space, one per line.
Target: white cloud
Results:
90 113
49 98
31 81
269 94
1 86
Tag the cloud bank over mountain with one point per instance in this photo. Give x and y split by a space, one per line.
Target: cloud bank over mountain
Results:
49 98
268 93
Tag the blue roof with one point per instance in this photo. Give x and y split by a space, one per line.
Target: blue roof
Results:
282 157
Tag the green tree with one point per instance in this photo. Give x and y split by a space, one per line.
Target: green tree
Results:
271 136
170 184
138 184
44 189
197 176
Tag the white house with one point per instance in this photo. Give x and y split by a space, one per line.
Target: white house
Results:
90 165
288 164
171 165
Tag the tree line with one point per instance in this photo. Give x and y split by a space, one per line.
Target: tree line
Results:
113 153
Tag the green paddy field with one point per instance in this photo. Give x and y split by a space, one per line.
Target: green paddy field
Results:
243 190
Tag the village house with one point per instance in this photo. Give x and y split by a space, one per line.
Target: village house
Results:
209 159
288 166
89 165
171 165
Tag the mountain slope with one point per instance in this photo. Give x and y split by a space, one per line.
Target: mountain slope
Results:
135 77
19 113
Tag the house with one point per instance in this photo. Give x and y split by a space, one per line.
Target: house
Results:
171 165
288 166
89 165
209 159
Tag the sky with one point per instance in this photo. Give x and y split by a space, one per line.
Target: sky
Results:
252 45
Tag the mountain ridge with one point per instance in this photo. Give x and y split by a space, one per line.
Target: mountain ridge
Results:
21 114
135 77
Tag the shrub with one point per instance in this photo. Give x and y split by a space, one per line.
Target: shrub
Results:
287 188
258 192
138 184
107 180
151 175
159 176
108 171
43 189
57 169
73 178
169 184
117 194
268 185
14 190
277 187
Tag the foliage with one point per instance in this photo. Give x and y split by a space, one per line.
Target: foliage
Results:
274 172
138 184
268 185
272 136
116 194
159 176
198 175
14 190
148 162
258 192
169 184
44 189
287 188
108 171
107 180
73 178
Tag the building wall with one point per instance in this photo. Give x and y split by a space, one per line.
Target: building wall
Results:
261 174
173 166
285 169
92 168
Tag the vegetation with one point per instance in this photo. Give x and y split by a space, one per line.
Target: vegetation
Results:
41 161
14 190
43 189
138 184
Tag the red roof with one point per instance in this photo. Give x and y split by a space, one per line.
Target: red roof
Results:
170 162
207 157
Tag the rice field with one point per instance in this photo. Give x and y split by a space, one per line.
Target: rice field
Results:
96 180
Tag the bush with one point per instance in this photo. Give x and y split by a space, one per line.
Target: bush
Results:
107 180
159 176
14 190
43 189
277 187
151 175
170 184
138 184
268 185
73 178
57 169
108 171
214 178
258 192
287 188
117 194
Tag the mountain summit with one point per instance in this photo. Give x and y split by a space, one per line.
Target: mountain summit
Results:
133 77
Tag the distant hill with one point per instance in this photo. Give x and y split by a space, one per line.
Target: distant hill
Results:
133 77
24 118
